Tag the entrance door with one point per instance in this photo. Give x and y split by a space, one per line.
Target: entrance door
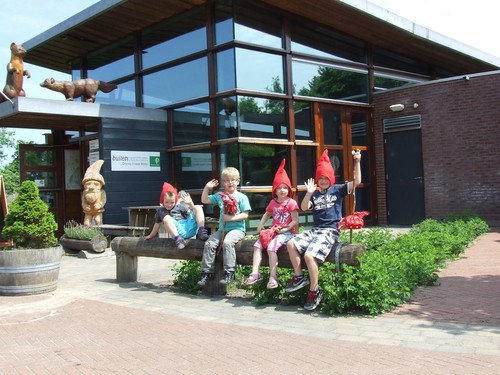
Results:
56 171
343 129
404 178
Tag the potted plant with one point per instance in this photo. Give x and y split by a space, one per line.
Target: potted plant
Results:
83 237
31 265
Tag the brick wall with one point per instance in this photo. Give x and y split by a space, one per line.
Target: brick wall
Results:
460 144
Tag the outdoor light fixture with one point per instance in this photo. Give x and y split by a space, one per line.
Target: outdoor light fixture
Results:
397 107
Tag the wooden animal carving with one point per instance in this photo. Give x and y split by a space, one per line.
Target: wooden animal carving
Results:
15 73
87 88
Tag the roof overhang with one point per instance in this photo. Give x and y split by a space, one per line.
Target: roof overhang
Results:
32 113
109 21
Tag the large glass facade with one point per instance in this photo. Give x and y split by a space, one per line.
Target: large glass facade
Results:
247 85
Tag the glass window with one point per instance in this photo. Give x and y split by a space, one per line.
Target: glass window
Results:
251 24
306 164
256 25
359 129
247 116
121 56
387 59
42 179
331 82
257 163
317 41
39 157
332 127
175 38
191 124
259 71
176 84
226 70
192 169
389 81
224 30
304 129
124 95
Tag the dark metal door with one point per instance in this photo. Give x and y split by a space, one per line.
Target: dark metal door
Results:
404 177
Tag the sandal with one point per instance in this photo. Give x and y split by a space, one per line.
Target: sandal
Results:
252 279
273 283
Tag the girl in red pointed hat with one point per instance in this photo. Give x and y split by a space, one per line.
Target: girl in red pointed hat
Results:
316 243
180 216
284 211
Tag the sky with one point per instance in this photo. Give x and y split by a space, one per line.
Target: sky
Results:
474 23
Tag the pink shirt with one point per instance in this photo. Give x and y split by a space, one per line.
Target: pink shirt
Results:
281 212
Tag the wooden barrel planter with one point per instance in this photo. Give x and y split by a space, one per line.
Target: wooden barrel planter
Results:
29 271
97 244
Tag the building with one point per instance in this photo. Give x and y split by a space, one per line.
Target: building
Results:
204 84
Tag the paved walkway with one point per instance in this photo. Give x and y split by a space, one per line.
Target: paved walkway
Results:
92 325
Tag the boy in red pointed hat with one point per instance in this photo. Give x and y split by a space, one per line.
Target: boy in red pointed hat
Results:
284 211
316 243
180 216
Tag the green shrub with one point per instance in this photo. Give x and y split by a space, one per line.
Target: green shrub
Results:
388 273
29 222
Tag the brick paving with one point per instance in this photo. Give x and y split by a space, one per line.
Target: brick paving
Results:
92 325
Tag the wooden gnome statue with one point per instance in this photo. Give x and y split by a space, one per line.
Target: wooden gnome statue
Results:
94 196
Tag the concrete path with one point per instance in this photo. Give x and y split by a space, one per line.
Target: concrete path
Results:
93 325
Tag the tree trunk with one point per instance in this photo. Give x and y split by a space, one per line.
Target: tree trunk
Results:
98 244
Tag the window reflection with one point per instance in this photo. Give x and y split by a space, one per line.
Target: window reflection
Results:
259 71
193 168
226 71
42 179
359 129
332 127
321 81
175 38
385 81
176 84
321 42
191 124
124 95
39 157
247 116
303 120
306 164
121 56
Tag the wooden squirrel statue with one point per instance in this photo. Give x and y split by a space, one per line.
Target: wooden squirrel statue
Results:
86 87
15 73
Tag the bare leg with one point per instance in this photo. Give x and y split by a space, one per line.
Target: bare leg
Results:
273 263
199 215
312 267
170 228
294 257
257 258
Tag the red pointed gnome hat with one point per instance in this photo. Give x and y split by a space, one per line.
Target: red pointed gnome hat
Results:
325 168
281 177
166 188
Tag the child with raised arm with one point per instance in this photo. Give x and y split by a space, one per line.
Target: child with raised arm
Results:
316 243
284 211
234 208
180 217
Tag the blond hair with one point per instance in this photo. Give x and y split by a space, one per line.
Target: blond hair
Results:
229 173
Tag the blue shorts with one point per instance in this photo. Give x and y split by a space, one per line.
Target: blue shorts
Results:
187 228
317 242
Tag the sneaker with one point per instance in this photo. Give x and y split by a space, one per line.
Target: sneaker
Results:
313 299
296 283
180 243
273 283
204 278
202 234
252 279
227 278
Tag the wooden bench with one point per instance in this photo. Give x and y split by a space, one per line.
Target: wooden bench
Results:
123 230
128 249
